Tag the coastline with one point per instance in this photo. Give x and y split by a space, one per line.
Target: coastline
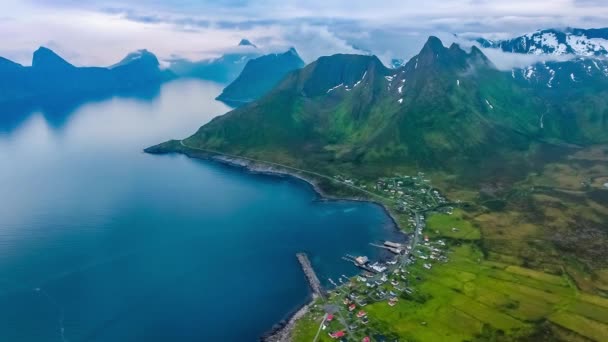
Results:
282 331
265 169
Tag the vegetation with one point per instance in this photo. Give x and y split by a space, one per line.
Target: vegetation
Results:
453 226
472 298
527 255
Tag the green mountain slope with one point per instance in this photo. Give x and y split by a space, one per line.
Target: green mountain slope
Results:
260 76
445 109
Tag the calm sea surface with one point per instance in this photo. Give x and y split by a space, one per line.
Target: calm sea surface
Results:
101 242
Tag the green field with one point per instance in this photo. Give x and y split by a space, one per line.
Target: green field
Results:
442 225
469 298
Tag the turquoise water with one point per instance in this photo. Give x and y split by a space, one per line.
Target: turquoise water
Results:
101 242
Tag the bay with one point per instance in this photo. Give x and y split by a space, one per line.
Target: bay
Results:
102 242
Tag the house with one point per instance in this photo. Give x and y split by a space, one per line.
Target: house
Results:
361 314
351 307
378 267
361 260
366 339
329 317
337 334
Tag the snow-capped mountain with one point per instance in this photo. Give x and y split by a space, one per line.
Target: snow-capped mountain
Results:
579 72
579 42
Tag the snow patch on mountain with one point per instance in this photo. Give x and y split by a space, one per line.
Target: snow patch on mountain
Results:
577 42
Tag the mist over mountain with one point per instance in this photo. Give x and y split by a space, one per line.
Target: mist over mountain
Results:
224 69
259 76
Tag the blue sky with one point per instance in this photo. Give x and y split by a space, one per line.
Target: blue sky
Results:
100 32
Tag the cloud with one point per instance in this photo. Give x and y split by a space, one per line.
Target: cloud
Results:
102 31
509 61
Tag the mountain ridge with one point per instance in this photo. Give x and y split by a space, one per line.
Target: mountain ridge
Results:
51 78
223 70
445 109
259 76
570 41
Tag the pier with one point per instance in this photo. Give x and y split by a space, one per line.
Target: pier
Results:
393 250
313 280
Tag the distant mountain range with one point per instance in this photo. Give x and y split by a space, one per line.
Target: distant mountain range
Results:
579 42
259 76
224 69
576 73
445 108
588 47
51 78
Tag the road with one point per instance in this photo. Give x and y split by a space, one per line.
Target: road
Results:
316 174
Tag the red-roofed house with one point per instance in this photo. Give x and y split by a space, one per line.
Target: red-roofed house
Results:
337 334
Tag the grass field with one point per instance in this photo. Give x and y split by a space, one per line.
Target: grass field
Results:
452 226
527 262
469 298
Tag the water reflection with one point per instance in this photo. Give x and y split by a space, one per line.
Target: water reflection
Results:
126 246
57 109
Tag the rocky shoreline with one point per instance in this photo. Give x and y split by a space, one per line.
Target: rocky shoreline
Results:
283 331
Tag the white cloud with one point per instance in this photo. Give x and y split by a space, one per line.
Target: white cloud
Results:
102 31
508 61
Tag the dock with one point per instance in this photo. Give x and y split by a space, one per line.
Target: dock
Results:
393 250
393 244
353 259
313 280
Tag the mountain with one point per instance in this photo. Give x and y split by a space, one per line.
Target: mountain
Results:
446 109
259 76
246 42
51 78
46 59
7 66
224 69
574 41
577 73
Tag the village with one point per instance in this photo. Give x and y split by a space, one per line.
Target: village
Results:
342 311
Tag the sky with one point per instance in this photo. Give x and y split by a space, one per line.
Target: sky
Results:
101 32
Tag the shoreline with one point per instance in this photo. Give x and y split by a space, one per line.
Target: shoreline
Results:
269 170
282 331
